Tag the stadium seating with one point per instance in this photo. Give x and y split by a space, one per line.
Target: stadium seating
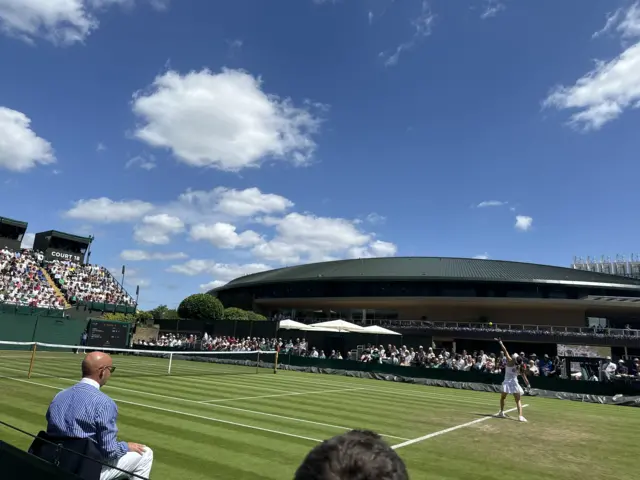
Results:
23 283
87 283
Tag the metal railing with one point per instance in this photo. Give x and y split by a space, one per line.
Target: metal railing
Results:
425 324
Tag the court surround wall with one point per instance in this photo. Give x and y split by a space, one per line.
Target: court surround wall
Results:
34 328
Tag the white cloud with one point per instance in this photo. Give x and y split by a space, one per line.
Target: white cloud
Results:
221 272
523 223
61 22
625 22
422 28
235 203
27 240
145 162
604 93
491 9
157 229
377 248
20 148
375 219
483 256
491 203
105 210
205 287
307 238
101 146
143 255
370 17
224 235
223 120
235 45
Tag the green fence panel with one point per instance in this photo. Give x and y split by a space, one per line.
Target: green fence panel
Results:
35 328
17 328
542 383
62 331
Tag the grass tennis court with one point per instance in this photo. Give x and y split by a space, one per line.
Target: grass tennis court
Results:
223 423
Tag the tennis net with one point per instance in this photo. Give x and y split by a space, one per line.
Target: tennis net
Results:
26 359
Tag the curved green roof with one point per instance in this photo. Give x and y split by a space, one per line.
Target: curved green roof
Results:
433 268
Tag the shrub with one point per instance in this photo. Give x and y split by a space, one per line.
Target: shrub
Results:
201 306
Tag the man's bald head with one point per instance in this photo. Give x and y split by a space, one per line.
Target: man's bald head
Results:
95 363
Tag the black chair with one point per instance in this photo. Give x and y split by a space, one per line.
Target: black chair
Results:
16 464
49 449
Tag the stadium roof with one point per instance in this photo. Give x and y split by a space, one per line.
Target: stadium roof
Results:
433 268
15 223
67 236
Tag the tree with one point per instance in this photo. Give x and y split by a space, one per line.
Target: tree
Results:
138 317
143 317
119 317
201 306
233 313
255 317
162 312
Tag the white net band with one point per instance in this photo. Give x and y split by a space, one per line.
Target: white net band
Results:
134 350
57 360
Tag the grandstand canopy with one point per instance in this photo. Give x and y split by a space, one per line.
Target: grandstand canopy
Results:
14 223
12 233
62 246
432 268
67 236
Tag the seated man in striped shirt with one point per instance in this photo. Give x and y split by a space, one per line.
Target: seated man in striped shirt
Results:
83 411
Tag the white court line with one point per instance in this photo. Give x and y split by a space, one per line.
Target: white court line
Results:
447 430
282 395
107 387
178 412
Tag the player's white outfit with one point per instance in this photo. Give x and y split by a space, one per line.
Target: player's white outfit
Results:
510 384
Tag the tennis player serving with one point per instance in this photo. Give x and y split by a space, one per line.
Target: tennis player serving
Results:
510 385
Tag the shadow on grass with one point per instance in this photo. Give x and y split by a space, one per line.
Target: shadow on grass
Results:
493 415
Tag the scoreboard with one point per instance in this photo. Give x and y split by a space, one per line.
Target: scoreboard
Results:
108 334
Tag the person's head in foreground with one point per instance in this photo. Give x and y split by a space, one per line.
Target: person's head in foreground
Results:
355 455
97 366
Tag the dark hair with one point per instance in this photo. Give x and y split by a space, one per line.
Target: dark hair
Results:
355 455
519 361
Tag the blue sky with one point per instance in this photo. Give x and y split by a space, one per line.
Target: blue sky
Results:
199 141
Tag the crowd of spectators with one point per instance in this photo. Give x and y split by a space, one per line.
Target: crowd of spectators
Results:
479 361
87 283
23 283
584 332
209 343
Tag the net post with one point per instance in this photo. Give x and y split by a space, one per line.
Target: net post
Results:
170 362
258 363
33 358
275 363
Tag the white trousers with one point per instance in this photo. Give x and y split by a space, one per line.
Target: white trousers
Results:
131 462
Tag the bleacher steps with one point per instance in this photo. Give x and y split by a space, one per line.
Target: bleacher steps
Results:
55 287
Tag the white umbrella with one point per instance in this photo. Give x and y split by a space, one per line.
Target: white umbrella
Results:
292 325
339 325
311 328
379 330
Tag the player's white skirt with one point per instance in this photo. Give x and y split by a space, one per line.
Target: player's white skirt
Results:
512 387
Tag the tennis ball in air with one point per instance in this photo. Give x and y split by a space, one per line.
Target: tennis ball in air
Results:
491 324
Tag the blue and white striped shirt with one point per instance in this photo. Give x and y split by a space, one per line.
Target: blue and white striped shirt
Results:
83 411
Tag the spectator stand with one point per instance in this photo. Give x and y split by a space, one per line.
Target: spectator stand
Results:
12 233
82 284
23 283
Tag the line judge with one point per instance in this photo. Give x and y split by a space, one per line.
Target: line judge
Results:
83 411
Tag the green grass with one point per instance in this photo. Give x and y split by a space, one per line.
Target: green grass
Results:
262 425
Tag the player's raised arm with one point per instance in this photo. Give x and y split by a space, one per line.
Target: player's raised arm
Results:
504 349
